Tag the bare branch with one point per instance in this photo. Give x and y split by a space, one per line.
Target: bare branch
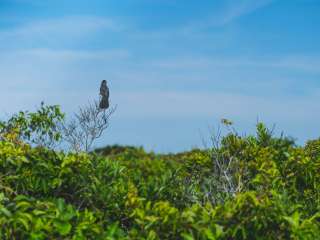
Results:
88 124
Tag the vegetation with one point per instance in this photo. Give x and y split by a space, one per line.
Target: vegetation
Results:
243 187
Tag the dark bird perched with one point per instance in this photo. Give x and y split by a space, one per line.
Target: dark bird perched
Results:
104 92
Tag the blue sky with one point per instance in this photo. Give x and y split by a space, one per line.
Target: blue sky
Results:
174 67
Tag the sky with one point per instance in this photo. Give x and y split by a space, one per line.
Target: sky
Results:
174 67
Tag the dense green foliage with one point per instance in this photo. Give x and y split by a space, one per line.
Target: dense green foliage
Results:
125 193
39 128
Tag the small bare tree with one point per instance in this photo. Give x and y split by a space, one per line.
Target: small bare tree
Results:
225 181
87 125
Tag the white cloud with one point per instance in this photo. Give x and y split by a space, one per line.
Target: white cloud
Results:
29 76
52 30
67 55
173 104
239 8
307 64
230 12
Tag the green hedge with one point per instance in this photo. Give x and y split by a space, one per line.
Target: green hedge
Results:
126 193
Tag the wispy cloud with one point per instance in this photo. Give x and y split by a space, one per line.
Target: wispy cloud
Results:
37 71
59 29
176 104
239 8
302 63
230 12
65 55
207 104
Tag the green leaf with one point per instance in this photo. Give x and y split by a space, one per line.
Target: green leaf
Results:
6 212
187 236
209 234
24 205
63 228
24 223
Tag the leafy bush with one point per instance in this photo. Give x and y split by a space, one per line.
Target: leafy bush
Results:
38 127
246 187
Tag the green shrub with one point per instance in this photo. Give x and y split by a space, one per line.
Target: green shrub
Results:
247 187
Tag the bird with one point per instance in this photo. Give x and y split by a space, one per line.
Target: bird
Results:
104 92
